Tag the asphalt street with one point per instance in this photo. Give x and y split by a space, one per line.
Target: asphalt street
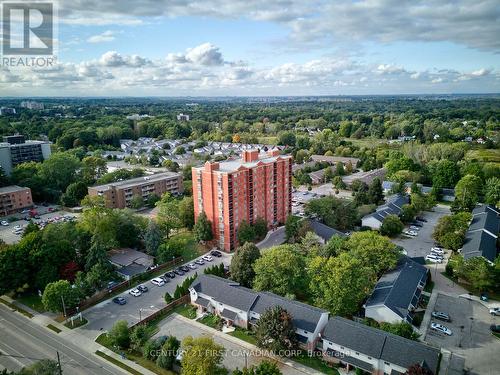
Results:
102 316
23 343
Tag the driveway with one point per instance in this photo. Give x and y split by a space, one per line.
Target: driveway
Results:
102 316
238 353
273 238
471 338
420 245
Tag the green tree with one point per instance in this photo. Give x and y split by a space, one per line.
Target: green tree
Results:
408 213
375 191
338 183
467 192
59 170
492 191
166 359
242 264
203 228
57 292
139 335
41 367
93 168
168 214
75 192
391 226
119 335
260 227
152 238
136 202
373 250
246 232
201 356
275 330
280 270
186 212
450 230
445 174
334 212
264 368
292 225
340 283
478 272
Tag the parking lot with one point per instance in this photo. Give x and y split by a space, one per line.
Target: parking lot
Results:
103 315
420 245
6 232
471 337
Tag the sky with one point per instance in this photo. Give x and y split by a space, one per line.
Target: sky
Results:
271 47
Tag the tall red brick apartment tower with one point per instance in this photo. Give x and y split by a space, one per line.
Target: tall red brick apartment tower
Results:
258 185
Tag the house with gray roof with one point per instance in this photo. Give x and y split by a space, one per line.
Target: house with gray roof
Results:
392 206
482 236
323 231
353 344
243 307
397 293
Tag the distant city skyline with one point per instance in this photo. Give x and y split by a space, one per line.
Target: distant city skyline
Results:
268 48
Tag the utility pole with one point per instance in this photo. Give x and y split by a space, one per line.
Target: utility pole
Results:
59 363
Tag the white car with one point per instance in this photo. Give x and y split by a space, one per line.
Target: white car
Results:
208 258
158 281
192 266
410 233
17 227
437 250
434 258
414 227
441 328
135 292
4 223
495 311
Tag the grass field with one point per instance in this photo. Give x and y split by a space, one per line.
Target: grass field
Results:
366 142
315 363
485 155
187 311
244 335
32 300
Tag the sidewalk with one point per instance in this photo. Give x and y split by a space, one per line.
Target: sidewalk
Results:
287 362
81 341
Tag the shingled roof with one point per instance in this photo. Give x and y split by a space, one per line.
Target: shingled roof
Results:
481 237
380 344
398 288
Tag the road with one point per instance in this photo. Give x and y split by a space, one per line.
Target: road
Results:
274 238
102 316
24 343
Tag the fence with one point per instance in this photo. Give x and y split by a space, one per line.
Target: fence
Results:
172 305
120 287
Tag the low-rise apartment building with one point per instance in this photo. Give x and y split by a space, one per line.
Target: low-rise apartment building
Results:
391 207
14 198
243 307
120 194
356 345
257 186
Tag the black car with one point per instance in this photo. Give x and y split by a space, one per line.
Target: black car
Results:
165 278
417 224
119 300
170 274
184 268
420 218
216 253
495 328
179 272
142 288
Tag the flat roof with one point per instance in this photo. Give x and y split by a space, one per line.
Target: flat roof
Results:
137 180
234 165
11 189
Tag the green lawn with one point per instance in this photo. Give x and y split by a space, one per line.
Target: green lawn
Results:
268 140
117 363
244 335
211 321
53 328
315 363
187 311
32 300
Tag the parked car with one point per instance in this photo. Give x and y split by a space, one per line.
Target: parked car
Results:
200 262
135 292
208 258
441 328
185 268
495 311
192 266
143 288
433 258
414 227
179 271
216 253
410 232
4 223
119 300
170 275
495 328
158 281
111 285
417 224
420 218
441 316
437 250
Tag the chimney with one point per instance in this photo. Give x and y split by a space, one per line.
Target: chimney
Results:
250 155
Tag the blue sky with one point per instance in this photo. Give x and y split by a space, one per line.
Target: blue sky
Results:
281 47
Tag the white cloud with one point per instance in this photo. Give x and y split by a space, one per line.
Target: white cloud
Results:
106 36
